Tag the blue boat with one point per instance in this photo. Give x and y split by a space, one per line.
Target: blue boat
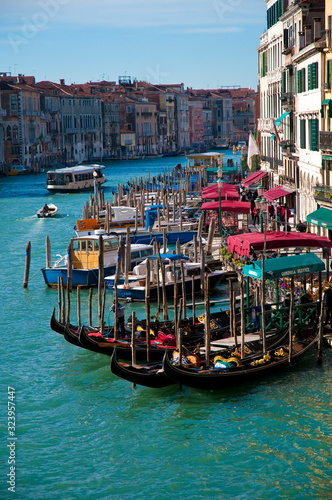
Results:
85 271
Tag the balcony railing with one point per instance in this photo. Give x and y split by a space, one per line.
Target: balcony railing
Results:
287 98
323 193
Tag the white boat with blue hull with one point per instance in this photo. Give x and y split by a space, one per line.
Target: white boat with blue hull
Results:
85 270
75 179
134 289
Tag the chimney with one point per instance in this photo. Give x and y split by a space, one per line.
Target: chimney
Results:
62 81
317 29
307 35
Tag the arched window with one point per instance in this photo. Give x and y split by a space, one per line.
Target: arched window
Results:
15 132
13 102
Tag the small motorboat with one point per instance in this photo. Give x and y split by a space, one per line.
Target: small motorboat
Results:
48 210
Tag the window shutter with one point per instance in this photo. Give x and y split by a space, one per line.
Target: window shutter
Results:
283 82
328 73
314 134
303 80
314 83
329 110
309 76
302 134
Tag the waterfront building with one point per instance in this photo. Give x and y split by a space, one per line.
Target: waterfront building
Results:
292 106
50 102
323 189
111 126
207 124
196 122
182 120
243 103
270 65
146 127
24 123
2 138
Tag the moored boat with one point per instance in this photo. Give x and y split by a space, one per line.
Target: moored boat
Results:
149 375
75 179
135 290
85 269
227 372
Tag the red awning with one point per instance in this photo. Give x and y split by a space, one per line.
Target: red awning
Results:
224 195
239 207
256 176
225 187
242 243
277 192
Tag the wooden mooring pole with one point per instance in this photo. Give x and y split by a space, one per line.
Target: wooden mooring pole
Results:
27 264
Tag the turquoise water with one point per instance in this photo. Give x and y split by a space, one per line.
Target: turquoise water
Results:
82 433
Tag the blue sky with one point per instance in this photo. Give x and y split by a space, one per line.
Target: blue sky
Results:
202 43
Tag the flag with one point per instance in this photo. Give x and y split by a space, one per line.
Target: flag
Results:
276 131
253 149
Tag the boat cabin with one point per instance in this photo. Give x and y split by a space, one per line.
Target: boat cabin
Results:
75 178
205 160
86 251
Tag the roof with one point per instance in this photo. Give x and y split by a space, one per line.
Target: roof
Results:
277 192
79 169
321 217
214 187
240 207
243 243
202 156
224 195
255 177
283 267
168 256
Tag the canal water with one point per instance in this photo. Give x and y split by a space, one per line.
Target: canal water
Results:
81 433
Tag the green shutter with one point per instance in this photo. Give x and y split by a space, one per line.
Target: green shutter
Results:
329 110
328 73
283 82
303 80
302 134
314 134
309 77
314 68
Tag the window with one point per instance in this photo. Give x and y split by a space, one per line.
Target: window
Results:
328 74
313 134
312 76
8 133
302 134
13 103
301 80
15 132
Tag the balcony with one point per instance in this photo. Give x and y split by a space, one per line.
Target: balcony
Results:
146 113
323 193
325 141
287 146
287 98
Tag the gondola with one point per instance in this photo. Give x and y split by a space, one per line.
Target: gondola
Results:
152 375
59 327
242 372
106 346
149 375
